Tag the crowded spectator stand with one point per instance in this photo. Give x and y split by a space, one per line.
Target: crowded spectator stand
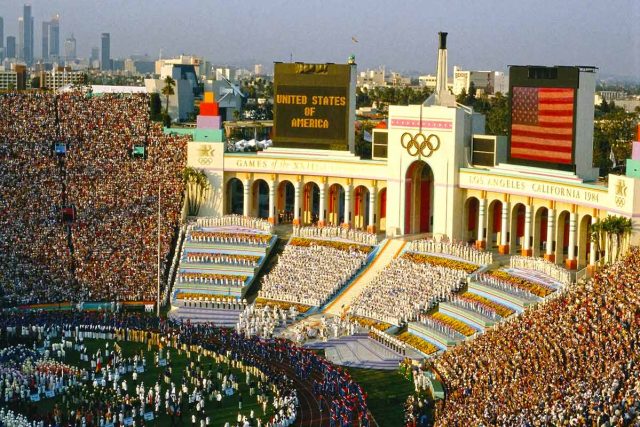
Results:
81 223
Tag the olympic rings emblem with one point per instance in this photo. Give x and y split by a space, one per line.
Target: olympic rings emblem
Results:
418 144
205 160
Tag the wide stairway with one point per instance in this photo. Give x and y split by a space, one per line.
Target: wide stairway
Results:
222 265
390 249
358 351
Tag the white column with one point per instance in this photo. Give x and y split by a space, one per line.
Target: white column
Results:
504 228
296 203
323 205
551 228
246 190
347 205
272 202
372 211
592 245
527 230
482 221
571 255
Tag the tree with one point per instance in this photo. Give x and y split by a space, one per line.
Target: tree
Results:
613 131
167 91
197 185
498 115
616 229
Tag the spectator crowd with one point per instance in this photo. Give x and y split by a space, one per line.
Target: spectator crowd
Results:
109 251
312 274
572 361
405 288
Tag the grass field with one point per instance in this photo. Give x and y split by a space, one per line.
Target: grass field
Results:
387 392
227 410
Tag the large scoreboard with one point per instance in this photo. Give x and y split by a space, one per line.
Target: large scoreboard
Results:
313 105
543 116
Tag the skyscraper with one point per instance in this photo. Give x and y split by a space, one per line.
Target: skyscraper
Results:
2 49
70 48
27 38
20 46
54 36
11 47
105 60
45 40
95 54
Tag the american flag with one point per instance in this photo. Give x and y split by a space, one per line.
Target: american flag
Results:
542 124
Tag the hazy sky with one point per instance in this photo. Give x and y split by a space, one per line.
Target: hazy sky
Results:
483 34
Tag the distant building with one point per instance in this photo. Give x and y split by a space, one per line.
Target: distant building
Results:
181 104
105 59
11 47
20 45
54 36
27 32
226 72
257 69
198 63
372 78
45 40
130 66
489 82
59 77
16 78
1 32
70 48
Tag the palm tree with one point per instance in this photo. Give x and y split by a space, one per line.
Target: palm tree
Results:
167 91
617 229
197 184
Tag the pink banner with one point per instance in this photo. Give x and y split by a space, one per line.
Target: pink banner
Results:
426 124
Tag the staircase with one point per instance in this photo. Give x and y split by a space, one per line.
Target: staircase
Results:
387 253
358 351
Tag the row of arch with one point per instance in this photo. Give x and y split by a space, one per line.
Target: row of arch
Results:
257 194
550 235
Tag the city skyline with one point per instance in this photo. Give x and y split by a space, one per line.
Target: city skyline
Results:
489 36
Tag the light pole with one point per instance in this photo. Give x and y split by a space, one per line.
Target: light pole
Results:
159 245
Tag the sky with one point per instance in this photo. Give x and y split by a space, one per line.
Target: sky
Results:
401 34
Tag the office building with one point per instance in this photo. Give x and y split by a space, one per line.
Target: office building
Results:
45 40
20 45
70 48
11 47
1 32
105 60
61 76
27 37
54 36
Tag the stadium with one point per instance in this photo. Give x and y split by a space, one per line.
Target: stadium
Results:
158 276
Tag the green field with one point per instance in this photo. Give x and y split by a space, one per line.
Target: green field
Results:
219 413
387 392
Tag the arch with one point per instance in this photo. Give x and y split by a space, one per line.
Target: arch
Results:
361 197
234 197
285 201
562 237
470 219
310 203
584 240
494 223
516 243
540 220
382 209
418 213
335 205
260 199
